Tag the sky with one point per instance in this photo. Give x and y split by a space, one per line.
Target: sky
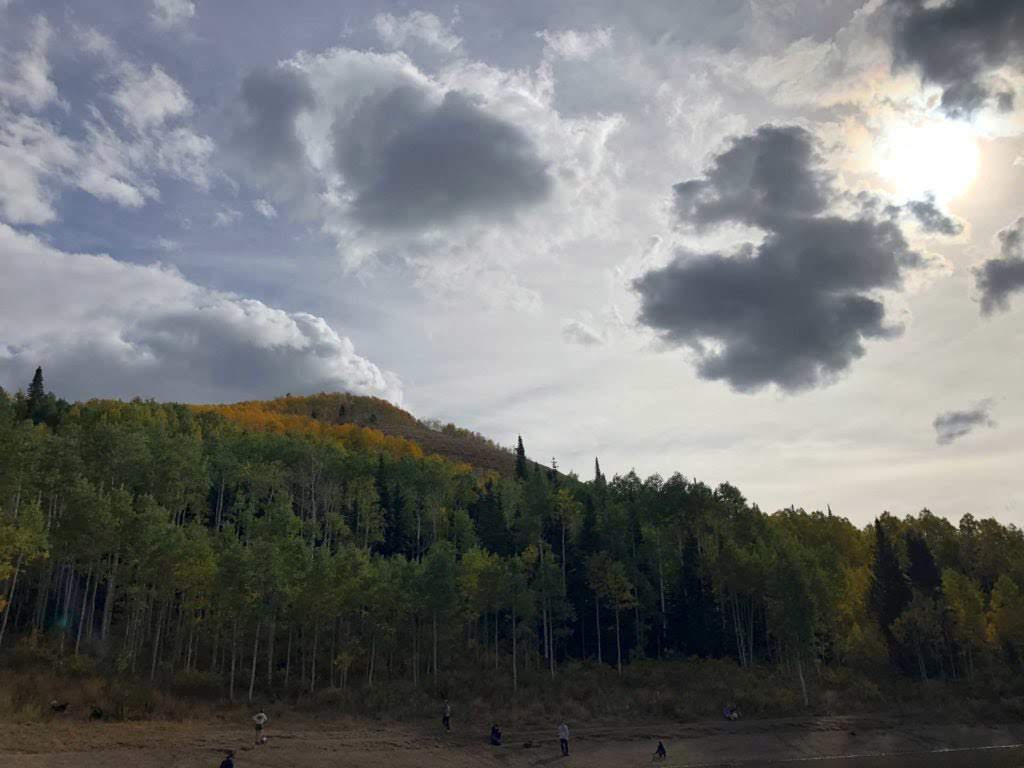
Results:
778 244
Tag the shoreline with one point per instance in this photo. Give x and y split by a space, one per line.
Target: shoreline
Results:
321 742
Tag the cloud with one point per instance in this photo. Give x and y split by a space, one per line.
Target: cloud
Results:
106 328
573 45
795 309
225 217
114 155
396 31
401 166
172 13
29 82
412 162
933 220
266 144
960 45
149 99
953 425
265 209
999 278
579 332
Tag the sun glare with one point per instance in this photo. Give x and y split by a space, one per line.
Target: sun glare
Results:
939 157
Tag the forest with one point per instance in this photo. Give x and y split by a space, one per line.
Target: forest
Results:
272 553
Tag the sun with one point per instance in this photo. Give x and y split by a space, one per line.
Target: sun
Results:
936 157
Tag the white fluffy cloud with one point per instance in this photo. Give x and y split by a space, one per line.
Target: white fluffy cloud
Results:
106 328
121 165
469 170
397 31
574 45
171 13
28 80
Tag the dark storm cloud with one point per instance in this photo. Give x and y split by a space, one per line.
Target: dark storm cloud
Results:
998 278
932 219
795 309
770 174
413 163
957 44
953 425
264 139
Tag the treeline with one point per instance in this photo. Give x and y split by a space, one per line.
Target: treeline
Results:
278 555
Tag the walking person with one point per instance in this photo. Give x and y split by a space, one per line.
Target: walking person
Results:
563 738
260 718
660 753
446 717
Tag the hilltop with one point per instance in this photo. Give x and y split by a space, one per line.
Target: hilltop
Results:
446 440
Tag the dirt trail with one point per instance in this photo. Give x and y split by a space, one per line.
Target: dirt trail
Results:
317 743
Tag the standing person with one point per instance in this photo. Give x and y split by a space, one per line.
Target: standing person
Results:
563 738
660 753
259 718
446 717
228 761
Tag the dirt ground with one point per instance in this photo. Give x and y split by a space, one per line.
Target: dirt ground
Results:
302 742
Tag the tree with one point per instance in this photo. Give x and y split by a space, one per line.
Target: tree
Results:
890 593
1006 622
520 460
922 571
966 605
35 396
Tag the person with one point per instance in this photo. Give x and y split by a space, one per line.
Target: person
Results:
660 753
563 738
446 718
730 712
260 718
228 761
495 735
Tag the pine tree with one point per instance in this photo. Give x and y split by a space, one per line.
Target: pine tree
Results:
921 568
890 593
520 460
35 398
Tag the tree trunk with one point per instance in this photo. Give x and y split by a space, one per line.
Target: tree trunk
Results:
81 614
108 600
597 610
618 643
435 645
156 640
373 659
312 670
10 597
288 661
270 654
803 682
515 664
231 683
252 671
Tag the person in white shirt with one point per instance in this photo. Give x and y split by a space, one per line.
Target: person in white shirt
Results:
259 718
563 738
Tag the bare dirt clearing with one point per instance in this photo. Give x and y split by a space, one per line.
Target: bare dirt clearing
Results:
303 741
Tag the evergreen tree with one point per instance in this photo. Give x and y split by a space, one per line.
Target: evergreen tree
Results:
922 571
890 593
36 394
520 460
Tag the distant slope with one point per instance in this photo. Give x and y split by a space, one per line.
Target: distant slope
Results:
449 441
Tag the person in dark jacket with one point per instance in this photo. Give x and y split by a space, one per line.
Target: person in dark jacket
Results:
228 761
495 735
446 717
660 753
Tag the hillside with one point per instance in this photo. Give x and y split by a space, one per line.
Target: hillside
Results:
451 442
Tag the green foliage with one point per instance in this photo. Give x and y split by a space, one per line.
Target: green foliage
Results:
250 548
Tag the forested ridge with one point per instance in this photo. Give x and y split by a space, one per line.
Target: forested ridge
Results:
269 552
